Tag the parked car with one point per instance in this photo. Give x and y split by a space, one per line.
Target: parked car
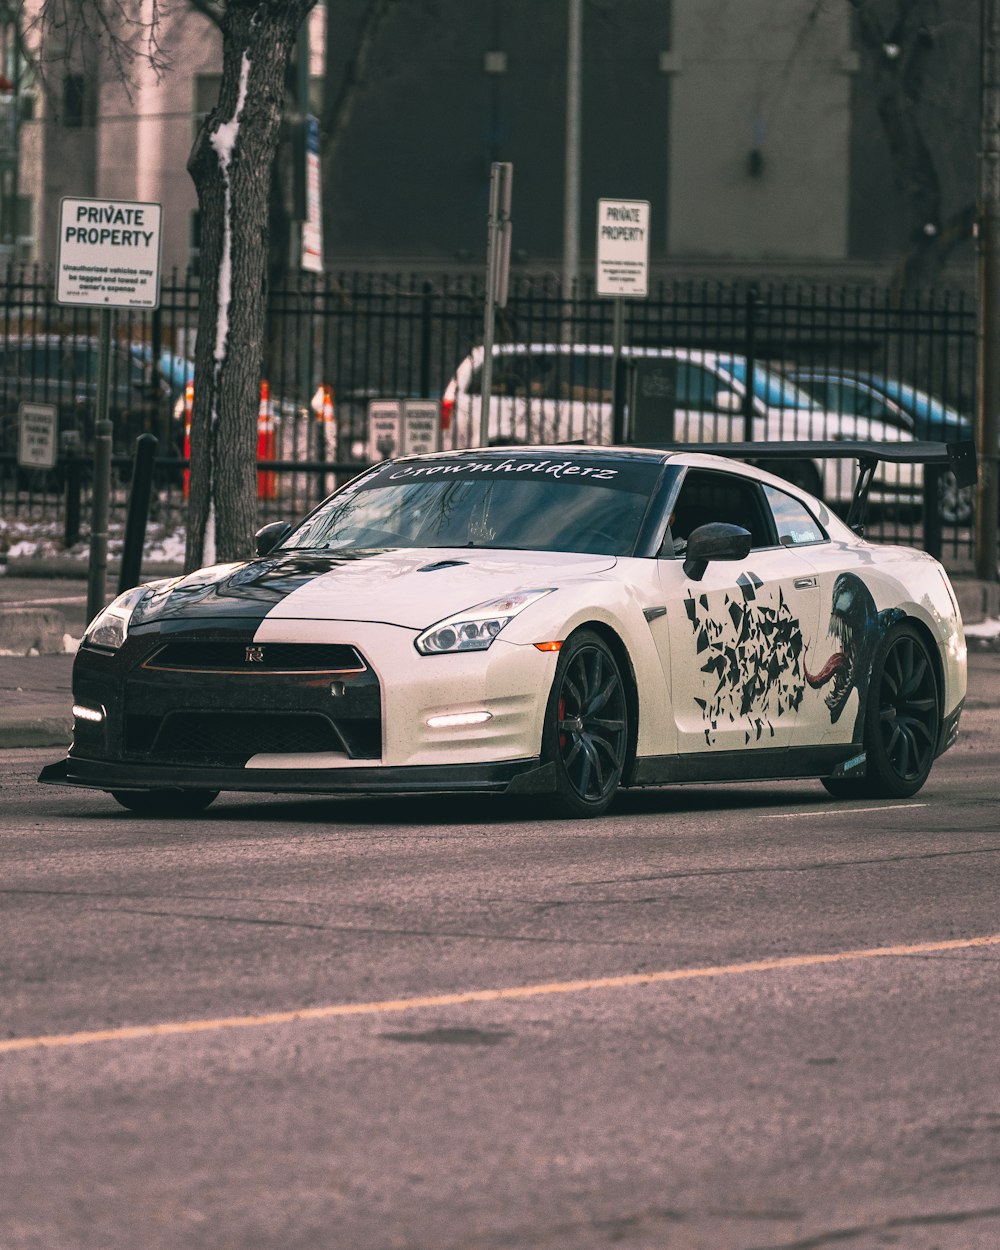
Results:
563 392
545 621
896 404
51 369
62 371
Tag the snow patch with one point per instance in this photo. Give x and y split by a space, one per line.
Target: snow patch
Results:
224 141
990 628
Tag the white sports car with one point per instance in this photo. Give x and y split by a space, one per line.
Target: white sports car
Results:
548 621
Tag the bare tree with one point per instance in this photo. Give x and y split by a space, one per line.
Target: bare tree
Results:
230 164
919 53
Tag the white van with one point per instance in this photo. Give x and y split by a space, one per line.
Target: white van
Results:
561 392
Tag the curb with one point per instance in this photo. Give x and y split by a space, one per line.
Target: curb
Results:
37 731
977 601
68 566
23 630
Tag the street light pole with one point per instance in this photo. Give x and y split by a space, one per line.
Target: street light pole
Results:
571 204
988 348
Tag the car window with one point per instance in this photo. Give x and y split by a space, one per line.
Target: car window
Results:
706 497
590 378
524 376
564 376
794 523
771 388
855 399
696 387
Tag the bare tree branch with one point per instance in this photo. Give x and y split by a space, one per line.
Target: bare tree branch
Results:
67 31
340 108
211 9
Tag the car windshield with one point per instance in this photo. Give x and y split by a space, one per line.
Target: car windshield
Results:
522 503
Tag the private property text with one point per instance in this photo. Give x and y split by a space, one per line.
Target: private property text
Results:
631 233
117 227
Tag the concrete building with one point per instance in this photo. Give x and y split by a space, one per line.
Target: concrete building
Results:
751 126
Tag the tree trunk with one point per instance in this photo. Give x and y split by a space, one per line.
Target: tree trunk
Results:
230 165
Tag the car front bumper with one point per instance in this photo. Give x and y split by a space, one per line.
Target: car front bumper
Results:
513 777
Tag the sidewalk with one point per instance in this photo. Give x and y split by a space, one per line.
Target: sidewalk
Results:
48 615
43 613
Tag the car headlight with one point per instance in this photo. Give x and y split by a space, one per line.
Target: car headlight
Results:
475 628
109 628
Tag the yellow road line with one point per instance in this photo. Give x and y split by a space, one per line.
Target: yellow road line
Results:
395 1005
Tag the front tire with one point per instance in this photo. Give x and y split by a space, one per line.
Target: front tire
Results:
170 804
902 721
586 730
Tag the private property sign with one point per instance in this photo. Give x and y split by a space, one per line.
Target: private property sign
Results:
623 247
109 253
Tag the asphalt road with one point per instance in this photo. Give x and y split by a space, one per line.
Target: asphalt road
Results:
743 1017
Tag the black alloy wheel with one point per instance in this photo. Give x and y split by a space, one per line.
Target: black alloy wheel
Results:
586 727
902 720
169 804
956 504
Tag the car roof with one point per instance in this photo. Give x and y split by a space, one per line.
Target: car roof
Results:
602 349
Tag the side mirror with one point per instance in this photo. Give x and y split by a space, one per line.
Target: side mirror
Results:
716 541
267 538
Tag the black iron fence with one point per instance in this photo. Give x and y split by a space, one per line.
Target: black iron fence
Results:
831 361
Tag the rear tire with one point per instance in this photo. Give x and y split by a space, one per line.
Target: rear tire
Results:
956 504
586 729
170 804
902 724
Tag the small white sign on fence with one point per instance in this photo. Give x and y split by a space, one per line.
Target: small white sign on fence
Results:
385 428
36 436
421 426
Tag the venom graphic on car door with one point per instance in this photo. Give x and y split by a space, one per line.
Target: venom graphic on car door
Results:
736 641
856 627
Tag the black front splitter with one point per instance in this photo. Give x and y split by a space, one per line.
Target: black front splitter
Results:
512 777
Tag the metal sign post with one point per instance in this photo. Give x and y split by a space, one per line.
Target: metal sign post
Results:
108 257
622 273
497 279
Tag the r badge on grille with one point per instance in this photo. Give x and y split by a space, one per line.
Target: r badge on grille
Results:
254 655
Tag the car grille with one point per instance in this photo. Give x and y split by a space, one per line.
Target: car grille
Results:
231 738
229 656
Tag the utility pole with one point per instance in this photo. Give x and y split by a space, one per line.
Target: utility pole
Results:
988 347
571 202
497 281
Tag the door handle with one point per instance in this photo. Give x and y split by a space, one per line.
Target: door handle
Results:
804 583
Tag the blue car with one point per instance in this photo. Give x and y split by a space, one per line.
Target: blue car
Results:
896 403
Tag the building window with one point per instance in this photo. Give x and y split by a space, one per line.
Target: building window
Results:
78 101
206 97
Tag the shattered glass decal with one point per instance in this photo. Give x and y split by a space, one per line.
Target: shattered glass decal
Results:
754 650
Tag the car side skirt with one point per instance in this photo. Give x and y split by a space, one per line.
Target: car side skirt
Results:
766 764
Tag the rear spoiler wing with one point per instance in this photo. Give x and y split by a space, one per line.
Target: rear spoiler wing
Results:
959 457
